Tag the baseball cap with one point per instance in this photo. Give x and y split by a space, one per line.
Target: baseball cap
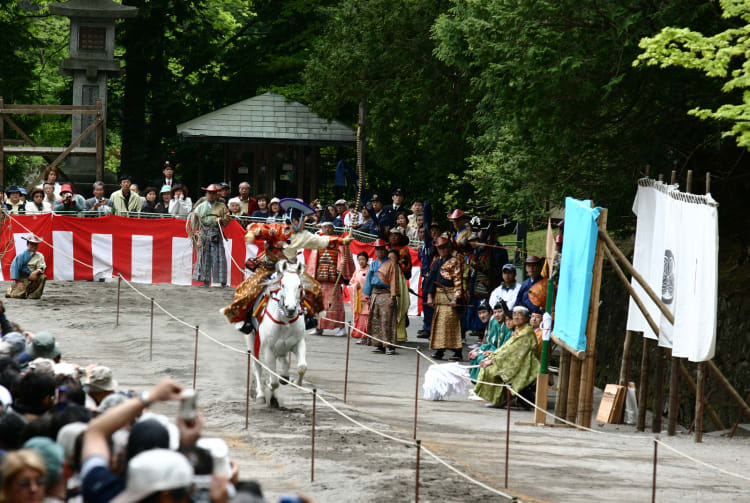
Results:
509 267
100 379
219 452
43 366
43 345
153 471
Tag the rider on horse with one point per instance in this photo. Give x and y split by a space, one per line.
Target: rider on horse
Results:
281 241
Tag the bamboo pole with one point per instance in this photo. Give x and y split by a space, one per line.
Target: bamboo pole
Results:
625 363
561 398
699 402
658 407
574 381
643 386
588 368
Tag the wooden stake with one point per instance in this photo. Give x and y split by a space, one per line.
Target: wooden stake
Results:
561 398
700 379
416 485
195 357
346 368
117 316
643 386
247 391
658 407
737 423
151 333
312 448
416 397
574 381
674 395
625 363
588 368
542 385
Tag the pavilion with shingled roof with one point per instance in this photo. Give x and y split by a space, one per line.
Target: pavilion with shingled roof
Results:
271 142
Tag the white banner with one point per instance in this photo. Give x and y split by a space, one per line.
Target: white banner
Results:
676 251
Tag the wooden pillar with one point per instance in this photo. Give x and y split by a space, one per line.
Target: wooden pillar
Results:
699 401
99 140
2 143
588 368
643 386
625 363
574 381
561 400
658 408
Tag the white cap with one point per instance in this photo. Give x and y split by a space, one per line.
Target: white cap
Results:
326 222
5 397
219 452
67 435
66 369
153 471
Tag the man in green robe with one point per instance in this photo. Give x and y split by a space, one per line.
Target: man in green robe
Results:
515 363
498 332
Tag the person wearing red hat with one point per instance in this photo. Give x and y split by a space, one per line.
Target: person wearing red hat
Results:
381 285
125 201
211 264
27 271
462 229
70 202
444 288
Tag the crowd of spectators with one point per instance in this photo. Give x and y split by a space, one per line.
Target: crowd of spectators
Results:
70 433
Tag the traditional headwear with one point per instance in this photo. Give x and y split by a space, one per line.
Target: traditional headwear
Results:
484 306
294 208
442 241
456 214
379 243
32 238
521 309
326 222
211 188
340 202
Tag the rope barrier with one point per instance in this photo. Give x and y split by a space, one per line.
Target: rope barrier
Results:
385 435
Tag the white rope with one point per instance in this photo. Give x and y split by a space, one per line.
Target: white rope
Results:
384 435
698 461
473 481
241 269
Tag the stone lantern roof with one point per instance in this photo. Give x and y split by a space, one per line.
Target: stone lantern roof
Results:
93 9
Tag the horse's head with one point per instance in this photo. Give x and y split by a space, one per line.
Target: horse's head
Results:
291 287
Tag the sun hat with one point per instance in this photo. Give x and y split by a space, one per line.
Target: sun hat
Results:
211 188
100 379
12 188
379 243
274 200
43 366
43 345
17 342
32 238
456 214
165 188
67 436
532 259
290 203
153 471
340 202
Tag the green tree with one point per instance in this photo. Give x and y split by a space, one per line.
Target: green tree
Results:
561 111
418 114
722 56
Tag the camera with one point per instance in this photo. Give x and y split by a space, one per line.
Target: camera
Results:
188 405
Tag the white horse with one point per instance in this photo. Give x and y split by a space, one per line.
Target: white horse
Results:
281 330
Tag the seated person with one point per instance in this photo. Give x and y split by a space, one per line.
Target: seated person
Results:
515 363
235 206
69 202
497 333
27 271
536 325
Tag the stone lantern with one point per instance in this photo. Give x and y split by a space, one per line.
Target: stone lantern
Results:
91 62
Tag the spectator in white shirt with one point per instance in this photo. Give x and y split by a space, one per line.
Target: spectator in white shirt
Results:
37 202
508 289
180 203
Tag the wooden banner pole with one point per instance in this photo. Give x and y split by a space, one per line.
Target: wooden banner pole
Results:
658 408
625 363
699 401
561 398
643 386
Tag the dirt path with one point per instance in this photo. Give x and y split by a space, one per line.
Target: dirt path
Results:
546 464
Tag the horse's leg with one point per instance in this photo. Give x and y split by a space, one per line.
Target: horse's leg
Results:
283 363
257 390
269 358
300 353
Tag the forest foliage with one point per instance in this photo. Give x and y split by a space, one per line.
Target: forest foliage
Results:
502 105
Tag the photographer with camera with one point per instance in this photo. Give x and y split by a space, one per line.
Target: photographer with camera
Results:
70 202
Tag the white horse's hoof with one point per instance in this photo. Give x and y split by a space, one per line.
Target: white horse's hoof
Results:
274 403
